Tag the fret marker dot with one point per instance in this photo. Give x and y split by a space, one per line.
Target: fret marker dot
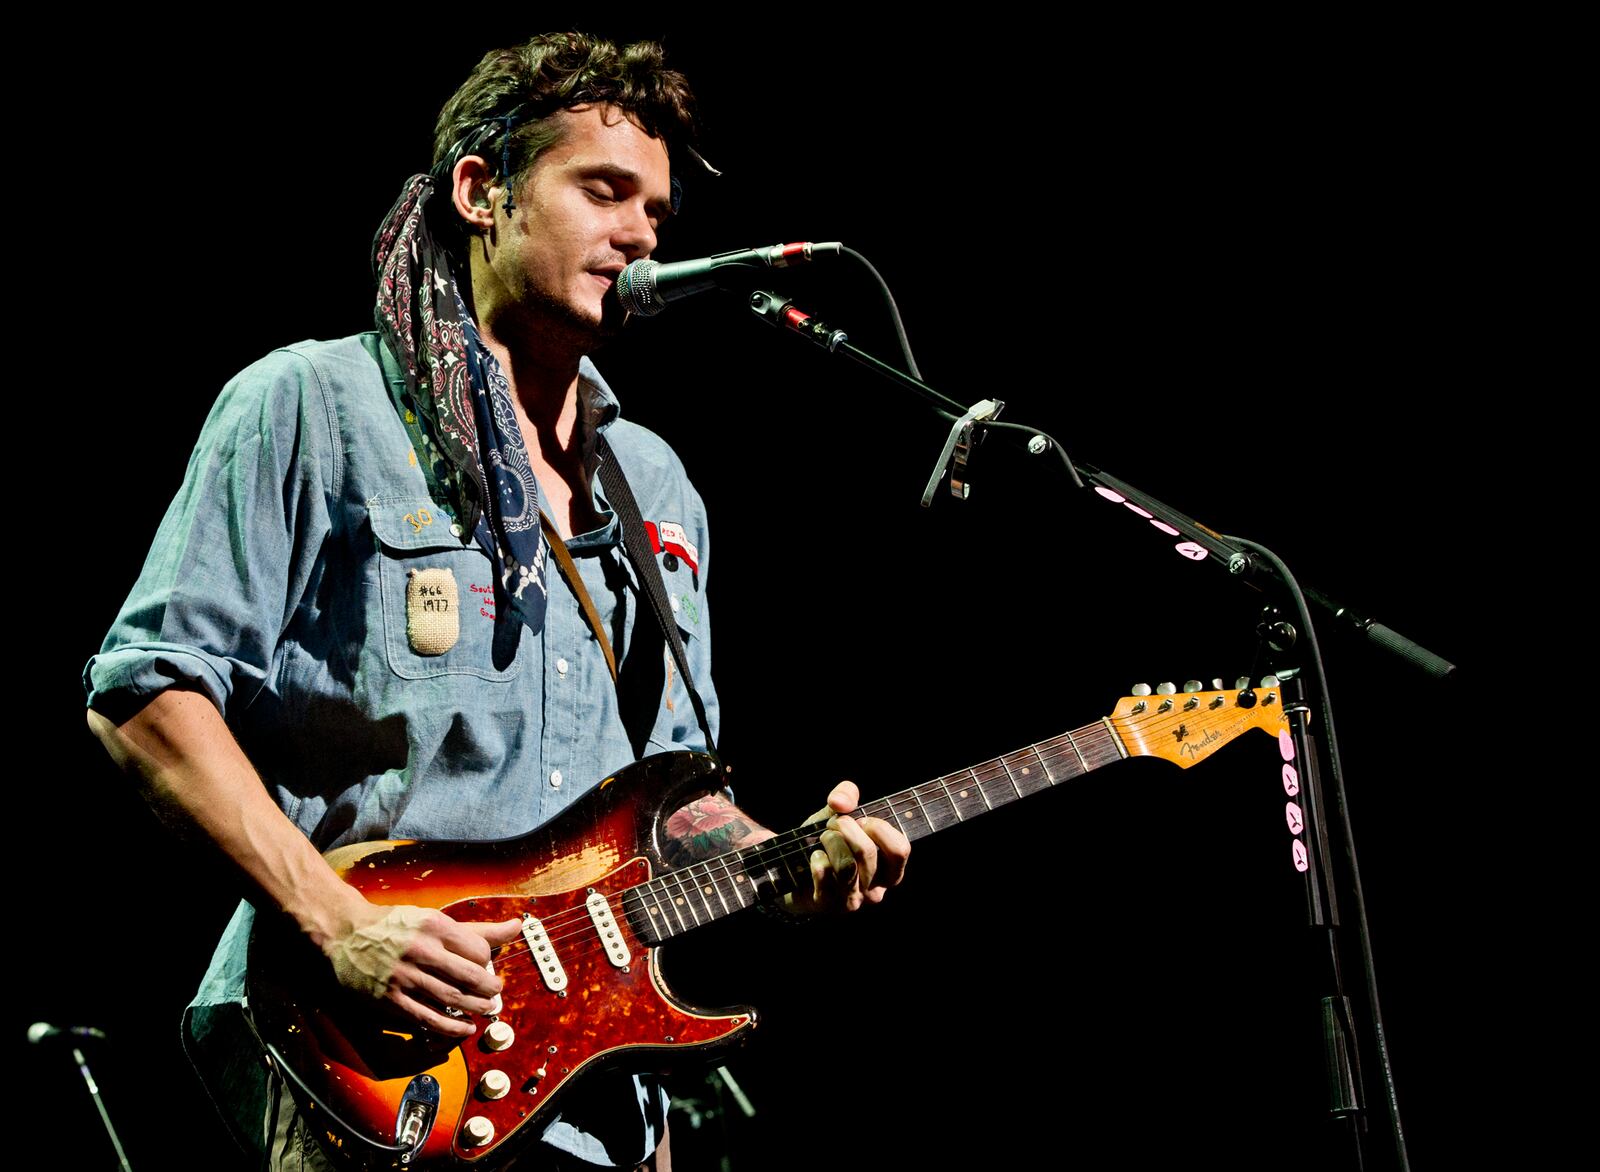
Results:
706 889
911 813
738 878
655 911
1025 771
679 901
962 795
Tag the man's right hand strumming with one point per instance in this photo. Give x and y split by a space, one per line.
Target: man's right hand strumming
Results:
420 961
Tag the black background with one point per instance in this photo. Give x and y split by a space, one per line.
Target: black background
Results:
1264 274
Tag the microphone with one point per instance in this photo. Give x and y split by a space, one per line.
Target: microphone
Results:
645 287
40 1030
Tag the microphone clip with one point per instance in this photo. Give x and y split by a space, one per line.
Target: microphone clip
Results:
965 433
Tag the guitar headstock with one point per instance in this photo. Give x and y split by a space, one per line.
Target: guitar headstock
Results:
1187 726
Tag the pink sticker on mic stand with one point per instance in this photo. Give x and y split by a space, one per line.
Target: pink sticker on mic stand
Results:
1301 863
1291 781
1285 745
1291 815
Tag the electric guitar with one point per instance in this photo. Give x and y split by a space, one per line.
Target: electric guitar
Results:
583 988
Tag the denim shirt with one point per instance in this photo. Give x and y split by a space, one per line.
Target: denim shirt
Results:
277 585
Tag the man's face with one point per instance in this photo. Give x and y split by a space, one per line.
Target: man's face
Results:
591 203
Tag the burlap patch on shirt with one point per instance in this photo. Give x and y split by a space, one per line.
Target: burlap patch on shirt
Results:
433 611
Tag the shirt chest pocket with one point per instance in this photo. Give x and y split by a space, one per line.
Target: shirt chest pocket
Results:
437 597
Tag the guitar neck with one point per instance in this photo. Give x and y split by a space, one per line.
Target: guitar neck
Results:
670 904
960 797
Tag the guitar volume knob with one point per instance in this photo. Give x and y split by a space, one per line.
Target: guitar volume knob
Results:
494 1084
477 1131
499 1035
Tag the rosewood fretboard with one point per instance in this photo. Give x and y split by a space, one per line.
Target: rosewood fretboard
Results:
677 901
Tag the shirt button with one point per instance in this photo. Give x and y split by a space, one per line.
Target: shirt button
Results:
673 599
555 778
561 667
455 530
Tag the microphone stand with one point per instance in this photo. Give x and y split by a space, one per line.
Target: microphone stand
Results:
43 1032
1316 811
99 1103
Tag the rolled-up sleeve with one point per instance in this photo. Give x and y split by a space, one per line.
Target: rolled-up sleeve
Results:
237 550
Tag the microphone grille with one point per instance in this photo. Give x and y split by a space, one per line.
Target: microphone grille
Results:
636 288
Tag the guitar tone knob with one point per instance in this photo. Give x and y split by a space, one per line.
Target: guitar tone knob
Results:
477 1131
499 1035
494 1084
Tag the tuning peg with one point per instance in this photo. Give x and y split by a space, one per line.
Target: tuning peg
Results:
1166 688
1191 685
1246 698
1216 685
1269 681
1140 690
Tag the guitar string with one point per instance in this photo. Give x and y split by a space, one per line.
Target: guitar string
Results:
689 882
795 842
697 883
693 895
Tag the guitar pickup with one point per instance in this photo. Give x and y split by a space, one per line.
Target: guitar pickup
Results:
544 954
610 935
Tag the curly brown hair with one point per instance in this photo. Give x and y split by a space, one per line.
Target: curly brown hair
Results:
526 86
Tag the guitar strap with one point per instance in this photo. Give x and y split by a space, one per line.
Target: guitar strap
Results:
569 570
636 546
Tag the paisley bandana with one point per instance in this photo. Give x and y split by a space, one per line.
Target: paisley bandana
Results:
457 406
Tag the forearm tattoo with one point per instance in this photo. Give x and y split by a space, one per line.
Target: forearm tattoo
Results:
708 827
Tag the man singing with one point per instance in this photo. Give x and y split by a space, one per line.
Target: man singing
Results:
391 600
